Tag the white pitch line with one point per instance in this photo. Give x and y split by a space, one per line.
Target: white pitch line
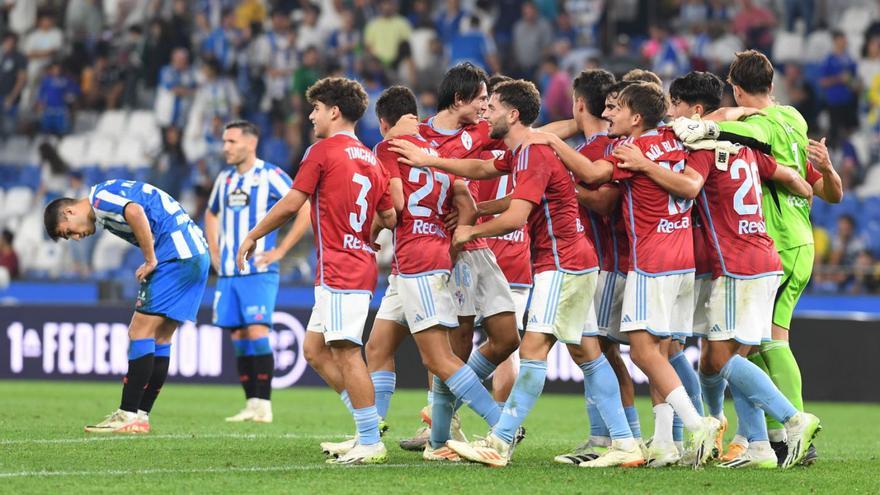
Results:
178 436
292 467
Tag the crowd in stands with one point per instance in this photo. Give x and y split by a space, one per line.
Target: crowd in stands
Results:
93 89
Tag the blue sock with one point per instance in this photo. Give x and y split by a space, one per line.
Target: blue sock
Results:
751 422
526 390
441 413
689 379
758 387
163 350
261 346
367 422
383 384
713 392
597 425
632 416
677 429
482 367
346 400
140 348
241 347
601 388
466 386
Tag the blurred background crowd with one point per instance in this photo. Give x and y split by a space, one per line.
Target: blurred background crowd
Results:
99 89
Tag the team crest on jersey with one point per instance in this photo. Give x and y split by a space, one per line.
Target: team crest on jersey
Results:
237 200
466 140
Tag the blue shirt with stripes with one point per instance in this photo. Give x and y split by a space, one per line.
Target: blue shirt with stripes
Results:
175 235
240 201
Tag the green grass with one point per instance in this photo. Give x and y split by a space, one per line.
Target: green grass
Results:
191 449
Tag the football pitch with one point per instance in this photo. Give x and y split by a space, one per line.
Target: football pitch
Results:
191 449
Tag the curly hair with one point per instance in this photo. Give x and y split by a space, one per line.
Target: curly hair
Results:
346 94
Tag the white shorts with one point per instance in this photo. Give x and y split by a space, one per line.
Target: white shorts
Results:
702 289
742 309
662 305
418 302
478 286
562 305
609 303
339 315
521 303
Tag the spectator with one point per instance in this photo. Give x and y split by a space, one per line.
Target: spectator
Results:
374 84
722 47
42 45
384 34
216 102
667 54
102 84
420 14
846 244
128 60
565 30
170 169
275 57
310 33
177 83
180 25
555 86
56 95
22 15
54 173
800 94
472 45
866 274
155 53
307 74
531 34
429 78
449 21
754 24
223 41
840 89
345 43
249 12
13 78
8 258
693 12
802 9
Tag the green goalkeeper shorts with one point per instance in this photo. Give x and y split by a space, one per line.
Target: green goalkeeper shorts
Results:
797 266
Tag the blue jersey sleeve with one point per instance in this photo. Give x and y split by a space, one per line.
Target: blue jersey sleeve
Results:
214 199
107 201
279 183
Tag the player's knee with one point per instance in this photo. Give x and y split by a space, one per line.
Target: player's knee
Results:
643 357
717 359
314 350
378 356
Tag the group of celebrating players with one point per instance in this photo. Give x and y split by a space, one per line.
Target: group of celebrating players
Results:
505 227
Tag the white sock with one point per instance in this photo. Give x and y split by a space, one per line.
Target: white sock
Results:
663 415
740 440
683 406
776 435
145 414
625 444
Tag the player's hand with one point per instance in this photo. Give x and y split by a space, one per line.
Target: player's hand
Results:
632 157
817 152
407 125
451 220
749 111
245 251
690 130
538 137
410 154
463 234
266 258
145 270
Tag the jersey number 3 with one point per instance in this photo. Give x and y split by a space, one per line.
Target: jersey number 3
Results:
357 219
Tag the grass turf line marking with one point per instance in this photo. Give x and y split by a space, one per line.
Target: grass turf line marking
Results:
178 436
293 467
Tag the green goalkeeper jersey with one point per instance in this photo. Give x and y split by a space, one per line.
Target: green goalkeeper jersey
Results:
782 128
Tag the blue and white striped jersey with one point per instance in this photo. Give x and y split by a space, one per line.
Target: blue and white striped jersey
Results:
240 201
175 235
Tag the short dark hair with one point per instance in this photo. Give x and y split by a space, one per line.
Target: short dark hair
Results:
592 85
696 87
462 82
642 75
618 87
346 94
521 95
495 81
52 215
8 236
751 71
245 126
394 103
647 100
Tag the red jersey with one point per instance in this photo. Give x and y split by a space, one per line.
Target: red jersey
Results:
421 242
557 236
608 233
511 250
658 224
346 186
465 142
702 257
731 207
